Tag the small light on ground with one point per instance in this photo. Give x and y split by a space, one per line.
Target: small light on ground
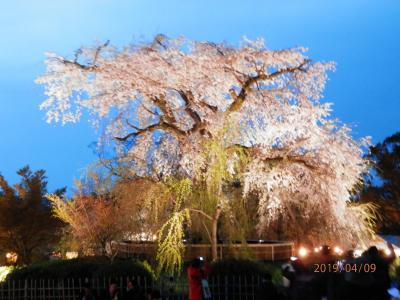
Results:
11 257
71 254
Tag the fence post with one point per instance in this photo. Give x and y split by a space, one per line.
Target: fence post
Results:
272 253
226 288
26 289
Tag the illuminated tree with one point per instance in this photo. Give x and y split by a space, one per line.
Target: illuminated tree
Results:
27 226
160 102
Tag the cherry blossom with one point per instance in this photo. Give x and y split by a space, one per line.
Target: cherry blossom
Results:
159 101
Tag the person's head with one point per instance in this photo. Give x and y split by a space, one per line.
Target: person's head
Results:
350 254
113 286
372 251
130 284
196 263
87 288
326 250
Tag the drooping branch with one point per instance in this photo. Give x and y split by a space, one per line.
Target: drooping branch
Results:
238 99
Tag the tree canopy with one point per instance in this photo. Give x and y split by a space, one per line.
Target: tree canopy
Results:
27 226
384 188
160 102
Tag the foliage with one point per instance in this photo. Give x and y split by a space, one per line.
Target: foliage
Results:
384 189
368 212
86 267
101 212
202 197
303 166
4 271
27 226
93 220
395 271
171 234
145 205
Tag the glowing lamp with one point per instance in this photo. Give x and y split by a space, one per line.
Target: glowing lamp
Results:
303 252
71 254
316 249
338 250
11 257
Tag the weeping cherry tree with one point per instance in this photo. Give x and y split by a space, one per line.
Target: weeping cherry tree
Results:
157 105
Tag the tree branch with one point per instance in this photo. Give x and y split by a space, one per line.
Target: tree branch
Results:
160 125
201 213
238 100
89 67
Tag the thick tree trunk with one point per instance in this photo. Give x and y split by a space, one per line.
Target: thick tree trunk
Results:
214 234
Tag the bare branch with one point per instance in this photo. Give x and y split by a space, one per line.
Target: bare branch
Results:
238 100
162 125
201 213
79 52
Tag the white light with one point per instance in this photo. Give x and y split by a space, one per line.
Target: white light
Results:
293 258
397 251
303 252
316 249
71 254
388 252
358 252
338 250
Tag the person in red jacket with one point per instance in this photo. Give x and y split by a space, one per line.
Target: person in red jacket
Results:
197 271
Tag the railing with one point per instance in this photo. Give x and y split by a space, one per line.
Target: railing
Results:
270 252
222 288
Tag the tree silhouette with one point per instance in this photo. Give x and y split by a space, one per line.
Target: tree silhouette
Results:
385 190
27 226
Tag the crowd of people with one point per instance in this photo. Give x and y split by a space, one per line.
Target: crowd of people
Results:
323 276
327 276
132 292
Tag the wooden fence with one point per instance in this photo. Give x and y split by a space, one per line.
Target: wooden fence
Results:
222 288
261 251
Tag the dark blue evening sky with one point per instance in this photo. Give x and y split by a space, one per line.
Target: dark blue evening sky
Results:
363 37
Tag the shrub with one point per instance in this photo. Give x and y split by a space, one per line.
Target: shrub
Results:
395 271
86 267
4 271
